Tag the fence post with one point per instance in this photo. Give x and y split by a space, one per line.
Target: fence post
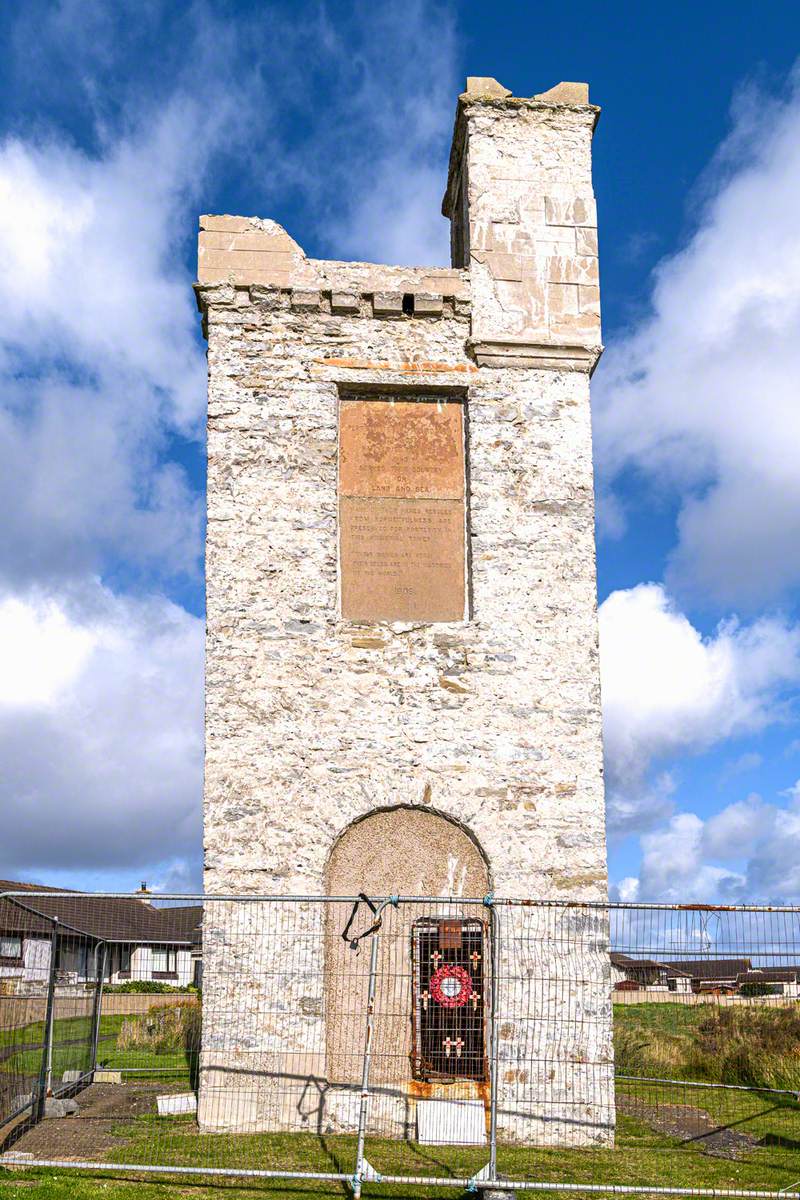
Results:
494 1039
46 1066
100 975
367 1061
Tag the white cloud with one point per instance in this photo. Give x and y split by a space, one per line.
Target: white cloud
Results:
701 396
101 365
91 270
673 866
376 161
668 691
748 852
102 745
41 652
99 354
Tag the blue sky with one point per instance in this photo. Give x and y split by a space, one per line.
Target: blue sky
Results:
121 123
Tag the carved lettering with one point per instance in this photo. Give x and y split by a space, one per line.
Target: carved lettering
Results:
401 510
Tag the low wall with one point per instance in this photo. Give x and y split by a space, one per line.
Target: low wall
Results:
18 1011
683 998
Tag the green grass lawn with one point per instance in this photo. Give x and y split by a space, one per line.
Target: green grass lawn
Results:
66 1056
641 1156
645 1152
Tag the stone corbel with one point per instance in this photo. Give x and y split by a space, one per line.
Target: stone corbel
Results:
547 356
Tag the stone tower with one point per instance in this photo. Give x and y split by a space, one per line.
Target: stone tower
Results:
402 664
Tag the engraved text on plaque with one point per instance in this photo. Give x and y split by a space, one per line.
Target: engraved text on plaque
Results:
402 509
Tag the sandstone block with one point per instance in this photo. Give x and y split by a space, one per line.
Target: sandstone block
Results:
345 302
572 270
586 240
566 93
427 305
253 239
225 224
263 276
387 303
578 210
589 299
243 260
563 298
485 85
305 299
448 283
504 266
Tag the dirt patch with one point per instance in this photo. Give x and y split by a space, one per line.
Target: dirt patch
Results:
689 1124
89 1135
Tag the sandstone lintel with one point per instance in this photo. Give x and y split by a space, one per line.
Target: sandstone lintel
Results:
519 352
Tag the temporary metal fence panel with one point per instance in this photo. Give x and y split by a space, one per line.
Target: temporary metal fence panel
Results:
544 1046
49 1009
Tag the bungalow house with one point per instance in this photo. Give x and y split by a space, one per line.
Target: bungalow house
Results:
713 974
134 939
779 981
647 974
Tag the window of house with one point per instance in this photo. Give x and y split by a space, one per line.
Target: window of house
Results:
165 960
122 964
72 955
450 979
10 947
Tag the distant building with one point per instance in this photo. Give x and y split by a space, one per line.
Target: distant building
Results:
647 974
781 981
713 974
142 942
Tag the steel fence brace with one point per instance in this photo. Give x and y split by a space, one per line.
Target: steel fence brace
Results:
97 1005
46 1065
363 1171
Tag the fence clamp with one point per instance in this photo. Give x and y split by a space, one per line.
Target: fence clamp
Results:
374 927
488 900
482 1177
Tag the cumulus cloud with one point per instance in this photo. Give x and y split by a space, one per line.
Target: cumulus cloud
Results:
126 131
100 360
669 691
747 852
399 162
100 731
701 395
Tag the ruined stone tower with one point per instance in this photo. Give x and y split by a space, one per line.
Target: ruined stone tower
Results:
402 665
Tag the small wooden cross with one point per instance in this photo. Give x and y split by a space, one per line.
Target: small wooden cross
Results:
451 1044
475 958
475 999
435 958
425 997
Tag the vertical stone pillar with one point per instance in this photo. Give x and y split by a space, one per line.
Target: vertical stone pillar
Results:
524 222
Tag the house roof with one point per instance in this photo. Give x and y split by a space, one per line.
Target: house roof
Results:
121 919
769 975
624 962
713 968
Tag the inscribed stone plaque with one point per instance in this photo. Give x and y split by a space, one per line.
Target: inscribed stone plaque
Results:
402 560
401 509
401 448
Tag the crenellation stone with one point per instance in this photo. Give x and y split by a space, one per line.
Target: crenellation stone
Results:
345 302
427 304
387 303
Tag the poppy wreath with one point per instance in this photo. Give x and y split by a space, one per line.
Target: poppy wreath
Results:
464 984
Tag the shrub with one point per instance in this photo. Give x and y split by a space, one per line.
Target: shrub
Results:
162 1030
150 986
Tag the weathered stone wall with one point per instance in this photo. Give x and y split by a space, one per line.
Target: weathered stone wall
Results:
312 722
